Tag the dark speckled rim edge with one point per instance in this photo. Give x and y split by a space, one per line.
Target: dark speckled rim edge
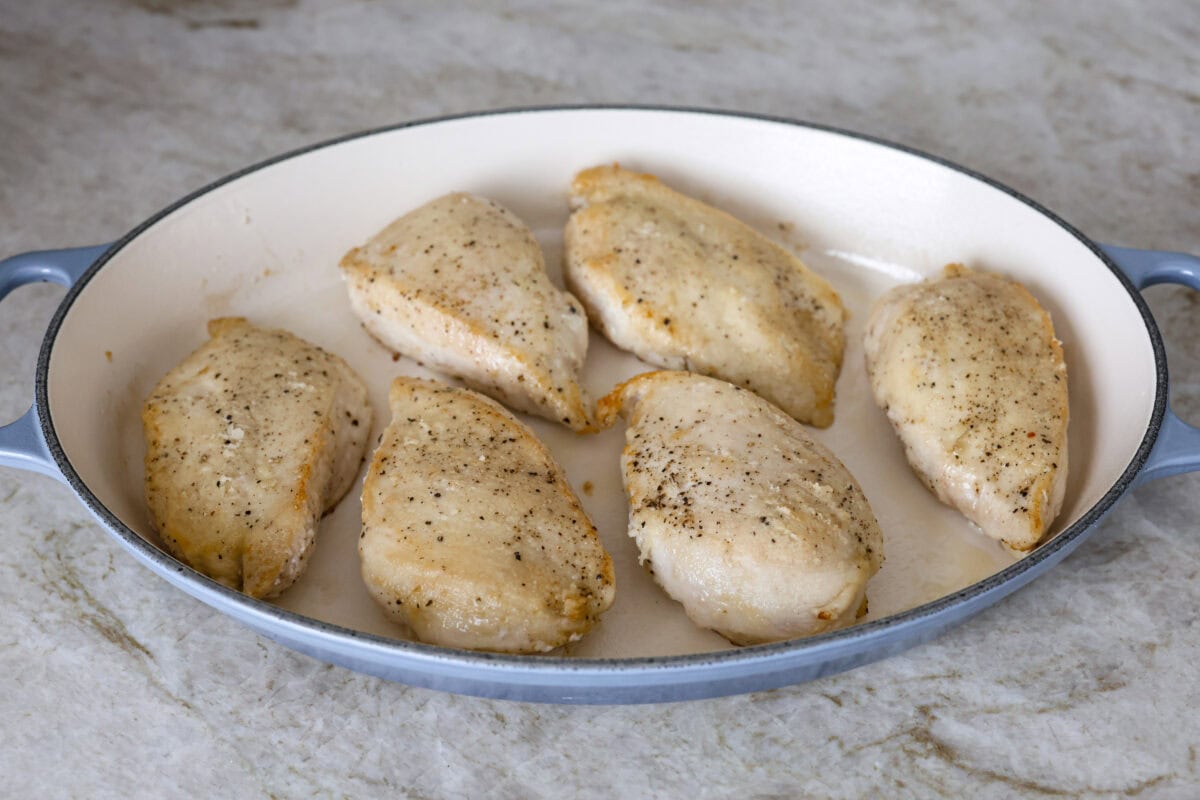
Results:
525 670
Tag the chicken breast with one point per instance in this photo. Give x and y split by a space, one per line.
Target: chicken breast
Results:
248 442
471 535
685 286
972 378
460 285
755 527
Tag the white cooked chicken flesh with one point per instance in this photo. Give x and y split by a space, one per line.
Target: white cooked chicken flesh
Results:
972 378
741 516
471 534
685 286
249 440
460 284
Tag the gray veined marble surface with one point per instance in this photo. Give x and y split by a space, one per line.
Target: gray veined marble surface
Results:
112 684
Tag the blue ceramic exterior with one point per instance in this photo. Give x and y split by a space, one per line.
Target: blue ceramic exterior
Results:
21 443
1169 446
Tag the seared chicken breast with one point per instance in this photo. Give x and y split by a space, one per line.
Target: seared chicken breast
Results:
248 442
471 535
972 378
685 286
755 527
460 284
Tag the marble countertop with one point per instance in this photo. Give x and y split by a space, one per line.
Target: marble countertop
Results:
1083 684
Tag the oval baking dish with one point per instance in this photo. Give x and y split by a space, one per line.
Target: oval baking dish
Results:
264 243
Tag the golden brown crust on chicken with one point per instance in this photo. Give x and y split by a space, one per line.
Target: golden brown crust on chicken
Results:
249 440
755 527
683 285
971 376
472 536
460 284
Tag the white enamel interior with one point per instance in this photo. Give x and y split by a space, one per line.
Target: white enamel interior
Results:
267 245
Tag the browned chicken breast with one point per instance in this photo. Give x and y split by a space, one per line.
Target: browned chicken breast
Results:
248 442
685 286
471 535
460 285
754 526
972 378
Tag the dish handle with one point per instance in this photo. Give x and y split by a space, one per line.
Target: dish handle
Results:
1177 448
21 442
